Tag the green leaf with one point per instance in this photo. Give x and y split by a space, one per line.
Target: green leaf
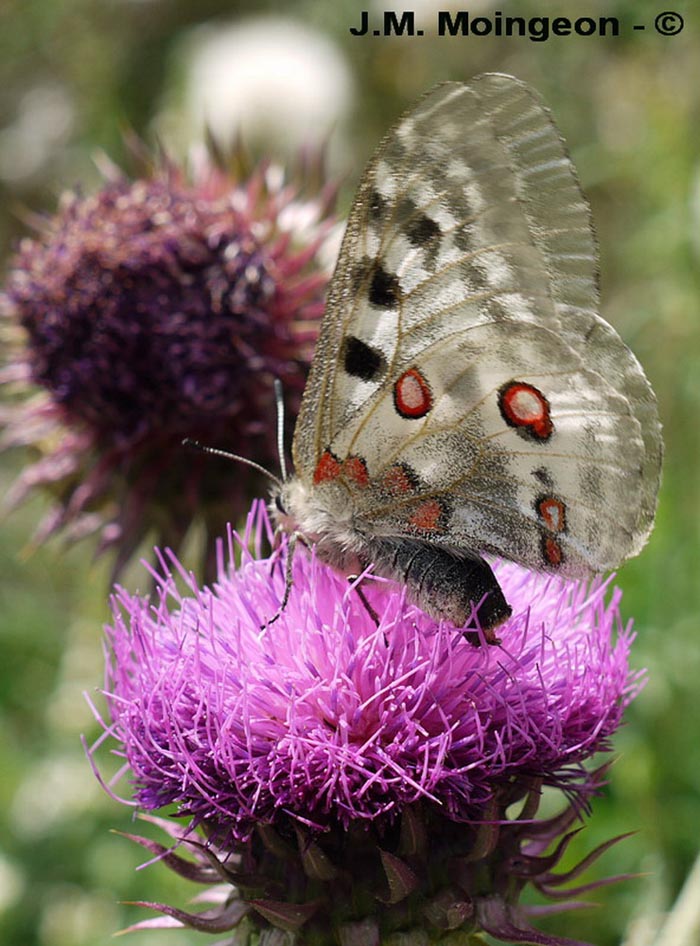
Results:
209 921
286 916
316 863
413 837
401 879
274 843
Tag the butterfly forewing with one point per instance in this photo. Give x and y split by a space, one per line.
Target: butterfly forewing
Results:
441 208
464 384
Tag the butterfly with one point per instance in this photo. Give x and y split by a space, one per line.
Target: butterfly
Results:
466 399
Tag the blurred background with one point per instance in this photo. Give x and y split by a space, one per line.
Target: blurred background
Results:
74 74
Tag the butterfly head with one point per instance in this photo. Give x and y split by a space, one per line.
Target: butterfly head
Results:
281 506
323 516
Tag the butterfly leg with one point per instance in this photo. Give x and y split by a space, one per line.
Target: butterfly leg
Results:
293 539
275 558
363 598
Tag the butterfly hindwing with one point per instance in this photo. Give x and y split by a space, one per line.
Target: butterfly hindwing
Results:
464 384
490 474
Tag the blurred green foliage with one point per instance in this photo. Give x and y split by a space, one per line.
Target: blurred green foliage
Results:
629 108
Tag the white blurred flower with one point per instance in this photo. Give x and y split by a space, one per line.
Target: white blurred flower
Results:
44 120
273 80
74 917
54 789
12 883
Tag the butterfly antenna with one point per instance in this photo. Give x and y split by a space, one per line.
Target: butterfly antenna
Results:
279 400
187 442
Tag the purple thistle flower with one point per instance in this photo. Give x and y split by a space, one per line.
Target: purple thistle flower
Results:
345 744
158 309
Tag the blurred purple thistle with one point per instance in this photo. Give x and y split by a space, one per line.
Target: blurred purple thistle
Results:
353 777
158 309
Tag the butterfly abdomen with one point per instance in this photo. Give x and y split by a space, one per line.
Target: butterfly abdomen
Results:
445 583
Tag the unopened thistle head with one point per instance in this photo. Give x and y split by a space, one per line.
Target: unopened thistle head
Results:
158 309
353 781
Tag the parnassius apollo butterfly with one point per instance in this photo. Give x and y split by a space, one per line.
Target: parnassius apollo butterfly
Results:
465 397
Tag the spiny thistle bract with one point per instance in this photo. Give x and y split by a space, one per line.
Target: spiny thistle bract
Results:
158 309
359 784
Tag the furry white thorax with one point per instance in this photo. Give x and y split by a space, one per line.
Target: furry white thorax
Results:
323 516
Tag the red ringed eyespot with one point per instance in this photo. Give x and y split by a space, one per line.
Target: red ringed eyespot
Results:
412 395
525 407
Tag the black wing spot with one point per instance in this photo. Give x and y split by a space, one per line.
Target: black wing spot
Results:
361 360
384 290
422 231
543 475
377 206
